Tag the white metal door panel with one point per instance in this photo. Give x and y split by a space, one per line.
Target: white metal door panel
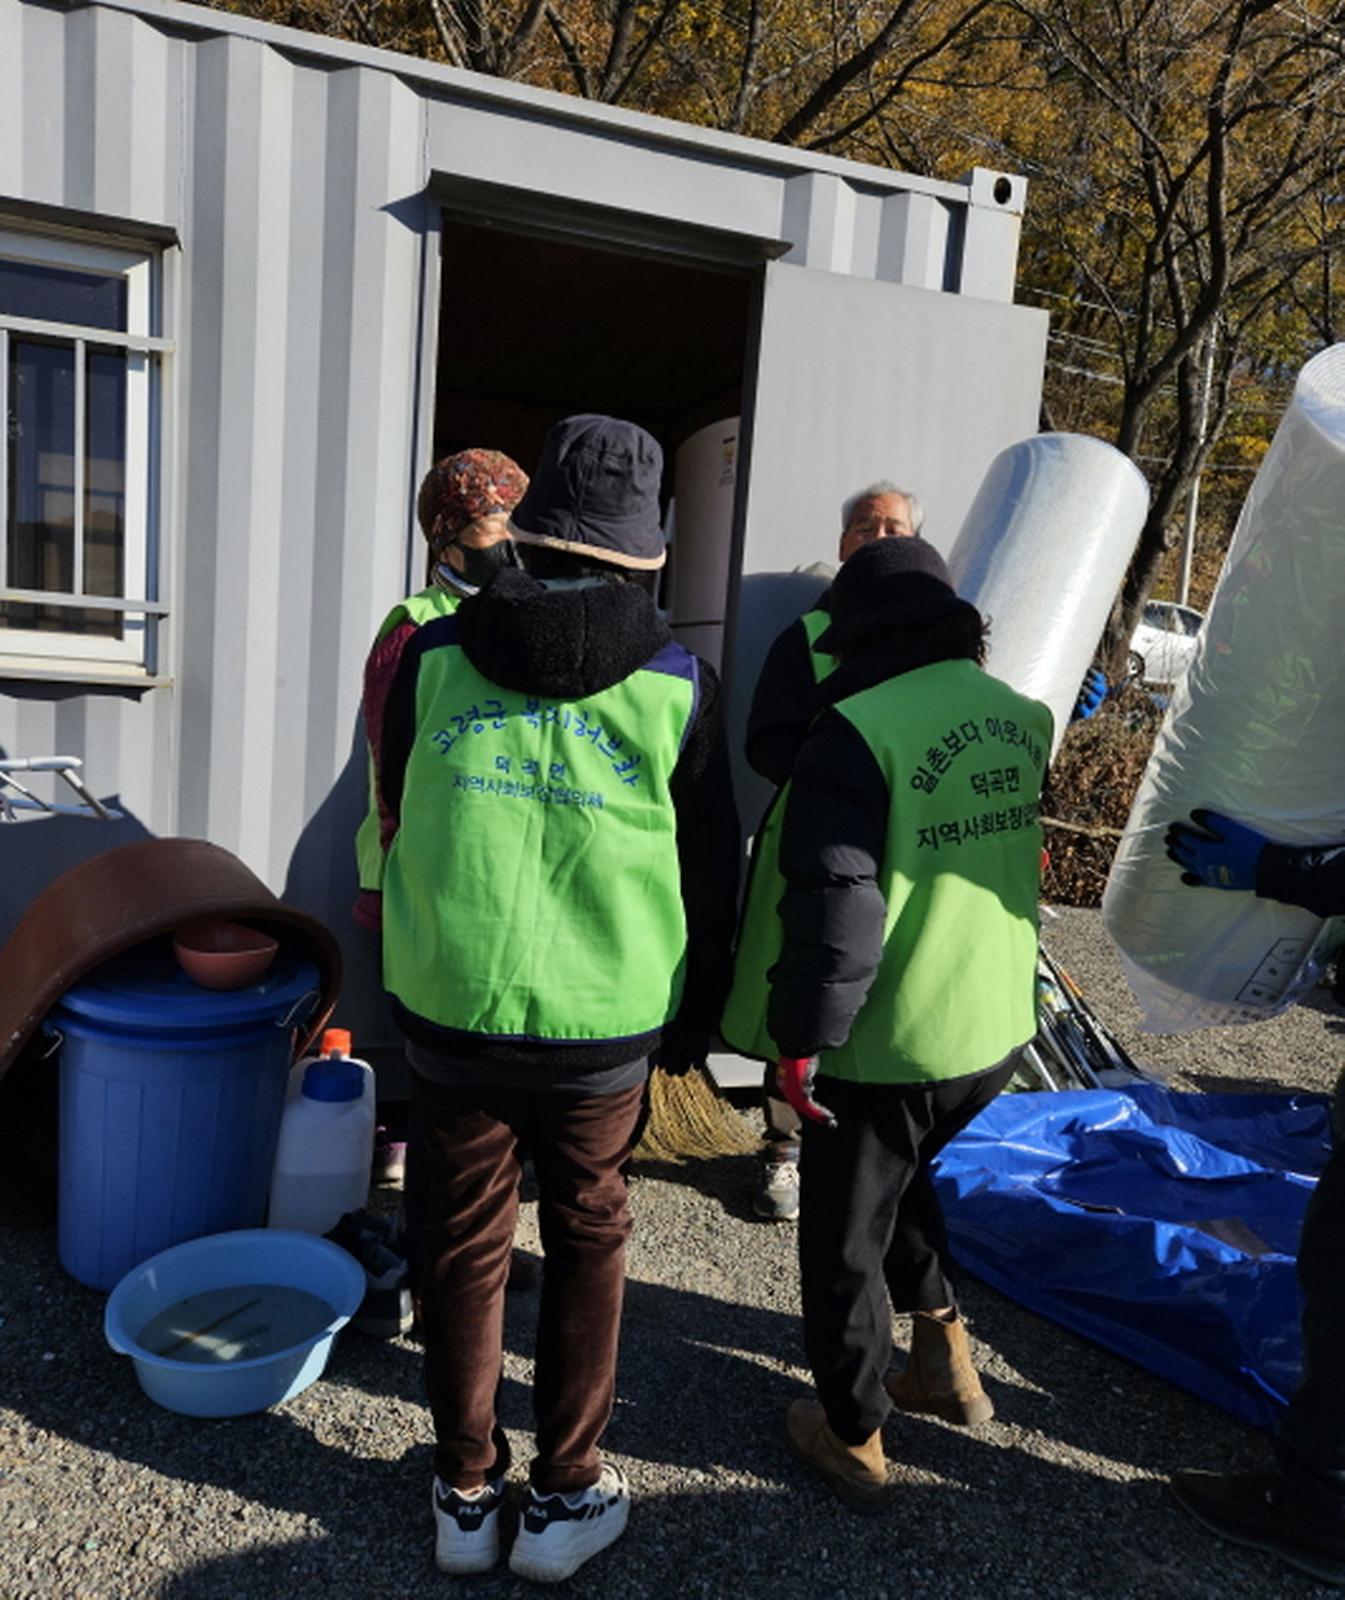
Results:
858 380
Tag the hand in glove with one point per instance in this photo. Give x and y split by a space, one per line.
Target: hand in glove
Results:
1092 692
794 1079
1217 852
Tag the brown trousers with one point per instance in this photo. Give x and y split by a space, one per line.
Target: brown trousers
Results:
579 1146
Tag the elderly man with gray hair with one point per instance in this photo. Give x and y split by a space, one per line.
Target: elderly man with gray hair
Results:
783 705
782 701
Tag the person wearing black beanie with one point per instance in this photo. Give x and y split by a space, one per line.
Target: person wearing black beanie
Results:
886 964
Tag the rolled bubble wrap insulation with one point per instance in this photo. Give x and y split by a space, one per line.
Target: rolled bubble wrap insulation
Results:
1042 553
1255 730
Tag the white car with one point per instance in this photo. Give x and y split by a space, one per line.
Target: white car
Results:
1164 641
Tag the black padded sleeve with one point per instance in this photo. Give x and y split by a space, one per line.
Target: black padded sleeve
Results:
782 705
1312 876
709 851
833 908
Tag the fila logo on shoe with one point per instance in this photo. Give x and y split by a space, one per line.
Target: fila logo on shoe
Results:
555 1508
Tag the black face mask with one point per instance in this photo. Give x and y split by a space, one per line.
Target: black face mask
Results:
480 566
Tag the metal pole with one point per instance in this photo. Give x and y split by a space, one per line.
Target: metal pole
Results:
1193 499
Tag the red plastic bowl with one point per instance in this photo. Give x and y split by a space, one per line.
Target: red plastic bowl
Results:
222 955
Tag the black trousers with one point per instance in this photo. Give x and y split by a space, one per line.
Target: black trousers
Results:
781 1132
870 1228
1311 1441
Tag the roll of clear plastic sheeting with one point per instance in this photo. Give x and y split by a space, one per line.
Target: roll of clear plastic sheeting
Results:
1255 730
1042 553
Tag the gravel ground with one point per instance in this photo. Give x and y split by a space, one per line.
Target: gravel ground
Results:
105 1497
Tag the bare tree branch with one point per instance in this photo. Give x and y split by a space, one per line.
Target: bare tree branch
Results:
844 74
616 89
449 39
583 78
900 79
522 37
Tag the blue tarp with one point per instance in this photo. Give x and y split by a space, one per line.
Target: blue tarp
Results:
1162 1225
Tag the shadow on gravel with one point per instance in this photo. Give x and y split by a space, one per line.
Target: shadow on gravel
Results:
1086 1398
1243 1083
721 1509
728 1179
685 1358
1051 1531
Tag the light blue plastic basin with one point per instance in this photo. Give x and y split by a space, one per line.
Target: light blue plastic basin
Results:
223 1260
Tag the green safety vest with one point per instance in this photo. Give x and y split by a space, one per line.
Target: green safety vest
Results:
533 888
963 757
815 624
418 608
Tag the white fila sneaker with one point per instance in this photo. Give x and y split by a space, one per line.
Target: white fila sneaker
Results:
559 1532
467 1527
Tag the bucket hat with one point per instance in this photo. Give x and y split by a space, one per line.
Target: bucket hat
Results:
596 493
888 584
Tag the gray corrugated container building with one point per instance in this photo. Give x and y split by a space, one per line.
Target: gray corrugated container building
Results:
329 265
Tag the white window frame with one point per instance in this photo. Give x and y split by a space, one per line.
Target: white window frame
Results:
32 651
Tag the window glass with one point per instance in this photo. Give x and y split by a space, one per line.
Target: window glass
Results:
76 449
61 294
41 478
105 484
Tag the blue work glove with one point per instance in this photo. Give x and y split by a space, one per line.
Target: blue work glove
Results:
794 1079
1217 852
1092 693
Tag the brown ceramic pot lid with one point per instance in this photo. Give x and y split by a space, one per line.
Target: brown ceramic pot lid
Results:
123 897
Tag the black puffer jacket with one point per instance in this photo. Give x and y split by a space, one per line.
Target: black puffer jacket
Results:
785 700
1311 876
566 644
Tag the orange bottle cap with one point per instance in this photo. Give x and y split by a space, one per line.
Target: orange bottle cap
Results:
335 1042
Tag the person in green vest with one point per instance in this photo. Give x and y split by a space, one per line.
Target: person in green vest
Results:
463 509
777 721
888 957
558 908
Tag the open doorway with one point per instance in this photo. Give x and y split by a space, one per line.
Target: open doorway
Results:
533 328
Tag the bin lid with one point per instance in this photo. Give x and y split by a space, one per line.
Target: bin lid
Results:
145 991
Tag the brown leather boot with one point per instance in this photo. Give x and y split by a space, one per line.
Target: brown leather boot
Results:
857 1473
939 1378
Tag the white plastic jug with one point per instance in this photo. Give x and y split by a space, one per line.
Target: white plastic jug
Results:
326 1143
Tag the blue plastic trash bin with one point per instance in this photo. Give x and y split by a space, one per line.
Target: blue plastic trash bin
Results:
170 1104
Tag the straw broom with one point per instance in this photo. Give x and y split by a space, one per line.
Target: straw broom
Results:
689 1120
